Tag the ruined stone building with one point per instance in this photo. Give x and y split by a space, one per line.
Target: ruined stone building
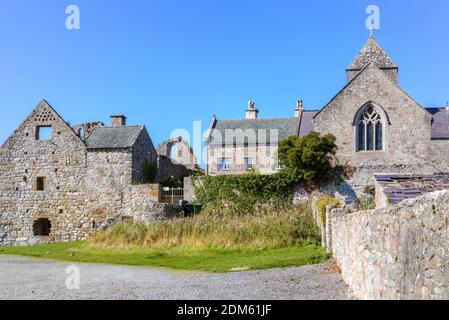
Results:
379 128
176 159
59 182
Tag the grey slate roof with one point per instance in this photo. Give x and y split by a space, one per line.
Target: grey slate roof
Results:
119 137
286 127
399 187
306 125
440 123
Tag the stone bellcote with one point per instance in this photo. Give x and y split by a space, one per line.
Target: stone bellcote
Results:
372 53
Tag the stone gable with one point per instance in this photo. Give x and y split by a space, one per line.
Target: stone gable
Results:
53 188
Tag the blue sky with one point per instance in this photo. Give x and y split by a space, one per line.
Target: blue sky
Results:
167 63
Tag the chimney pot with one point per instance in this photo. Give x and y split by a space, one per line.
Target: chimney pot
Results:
299 109
251 112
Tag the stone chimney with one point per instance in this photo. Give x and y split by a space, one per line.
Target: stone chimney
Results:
117 121
298 110
251 112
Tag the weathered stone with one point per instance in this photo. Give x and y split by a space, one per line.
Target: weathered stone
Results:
397 252
83 188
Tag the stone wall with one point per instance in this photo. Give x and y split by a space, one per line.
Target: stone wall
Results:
84 191
61 162
264 159
398 252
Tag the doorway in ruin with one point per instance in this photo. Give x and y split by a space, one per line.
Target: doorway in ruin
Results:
41 227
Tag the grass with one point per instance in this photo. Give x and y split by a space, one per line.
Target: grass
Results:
259 230
177 257
207 242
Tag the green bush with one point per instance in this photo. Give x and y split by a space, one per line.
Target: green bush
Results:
323 203
310 158
171 182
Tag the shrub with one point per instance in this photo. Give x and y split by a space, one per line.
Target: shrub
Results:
310 157
322 204
240 194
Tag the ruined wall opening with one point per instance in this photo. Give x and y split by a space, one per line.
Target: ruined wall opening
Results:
44 133
41 227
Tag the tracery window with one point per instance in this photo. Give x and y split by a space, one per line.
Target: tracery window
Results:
370 130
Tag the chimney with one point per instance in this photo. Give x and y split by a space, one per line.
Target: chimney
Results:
298 110
117 121
251 112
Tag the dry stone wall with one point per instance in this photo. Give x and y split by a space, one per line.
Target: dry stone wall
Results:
400 252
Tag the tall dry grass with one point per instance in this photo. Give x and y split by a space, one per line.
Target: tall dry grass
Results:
257 230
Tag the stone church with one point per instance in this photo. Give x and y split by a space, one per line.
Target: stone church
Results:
378 126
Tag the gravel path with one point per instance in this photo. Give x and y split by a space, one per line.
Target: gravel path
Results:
24 278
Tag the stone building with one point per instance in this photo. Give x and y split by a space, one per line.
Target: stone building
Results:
379 127
56 185
240 146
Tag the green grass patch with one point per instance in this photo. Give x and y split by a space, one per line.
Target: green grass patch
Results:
177 257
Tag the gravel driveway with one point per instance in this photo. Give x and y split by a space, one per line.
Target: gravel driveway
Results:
24 278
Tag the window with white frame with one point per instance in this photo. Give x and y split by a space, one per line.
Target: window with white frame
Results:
224 164
249 164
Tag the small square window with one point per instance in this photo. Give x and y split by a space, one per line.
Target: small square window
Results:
43 133
40 184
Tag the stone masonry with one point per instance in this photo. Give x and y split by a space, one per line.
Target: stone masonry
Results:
61 187
399 252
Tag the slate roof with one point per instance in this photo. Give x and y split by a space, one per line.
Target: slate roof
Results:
440 123
306 125
372 53
286 127
399 187
119 137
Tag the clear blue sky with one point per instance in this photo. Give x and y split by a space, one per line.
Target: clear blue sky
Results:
167 63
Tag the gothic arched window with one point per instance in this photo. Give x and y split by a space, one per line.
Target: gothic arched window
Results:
369 126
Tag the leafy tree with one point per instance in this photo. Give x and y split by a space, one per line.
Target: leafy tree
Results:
149 171
309 158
